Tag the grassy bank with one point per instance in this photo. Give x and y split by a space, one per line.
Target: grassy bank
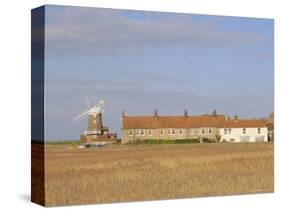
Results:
67 142
163 141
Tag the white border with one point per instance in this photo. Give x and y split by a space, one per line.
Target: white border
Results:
15 103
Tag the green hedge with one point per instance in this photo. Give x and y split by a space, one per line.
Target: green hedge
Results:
176 141
74 142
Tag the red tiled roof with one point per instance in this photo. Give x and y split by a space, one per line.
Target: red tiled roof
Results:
138 122
218 121
245 123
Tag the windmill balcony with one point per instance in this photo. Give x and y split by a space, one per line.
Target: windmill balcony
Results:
92 132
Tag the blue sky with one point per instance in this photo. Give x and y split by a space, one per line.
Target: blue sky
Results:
139 61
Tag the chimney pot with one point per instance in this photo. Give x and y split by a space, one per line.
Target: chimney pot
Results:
215 112
236 118
185 113
155 112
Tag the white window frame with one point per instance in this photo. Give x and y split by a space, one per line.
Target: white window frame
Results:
180 131
173 131
229 130
203 131
142 132
210 130
137 132
225 131
244 131
169 131
130 132
149 132
162 132
259 130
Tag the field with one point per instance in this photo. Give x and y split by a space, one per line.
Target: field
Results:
151 172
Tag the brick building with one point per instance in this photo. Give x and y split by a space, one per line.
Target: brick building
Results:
191 127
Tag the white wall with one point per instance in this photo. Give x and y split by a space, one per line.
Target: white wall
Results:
237 133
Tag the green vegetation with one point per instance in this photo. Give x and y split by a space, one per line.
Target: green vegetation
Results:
69 142
208 140
162 141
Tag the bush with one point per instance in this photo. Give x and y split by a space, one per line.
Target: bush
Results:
175 141
208 140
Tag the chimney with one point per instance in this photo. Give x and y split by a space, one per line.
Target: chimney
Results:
156 113
185 113
235 118
214 112
123 114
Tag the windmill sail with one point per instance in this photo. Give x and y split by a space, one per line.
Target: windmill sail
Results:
88 102
80 116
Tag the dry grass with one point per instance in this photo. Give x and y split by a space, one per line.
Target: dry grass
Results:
133 173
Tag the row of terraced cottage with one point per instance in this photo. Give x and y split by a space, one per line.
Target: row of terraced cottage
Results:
214 127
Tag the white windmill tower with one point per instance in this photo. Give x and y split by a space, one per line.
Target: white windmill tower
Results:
94 113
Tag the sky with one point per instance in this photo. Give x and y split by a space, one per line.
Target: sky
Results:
139 61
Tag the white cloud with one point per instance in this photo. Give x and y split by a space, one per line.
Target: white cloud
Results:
90 31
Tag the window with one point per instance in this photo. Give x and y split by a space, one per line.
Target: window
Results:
169 131
130 132
138 132
225 131
259 130
142 132
244 130
150 132
173 131
229 131
203 131
210 130
180 131
162 132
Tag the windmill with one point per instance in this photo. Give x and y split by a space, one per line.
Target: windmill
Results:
96 133
94 114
